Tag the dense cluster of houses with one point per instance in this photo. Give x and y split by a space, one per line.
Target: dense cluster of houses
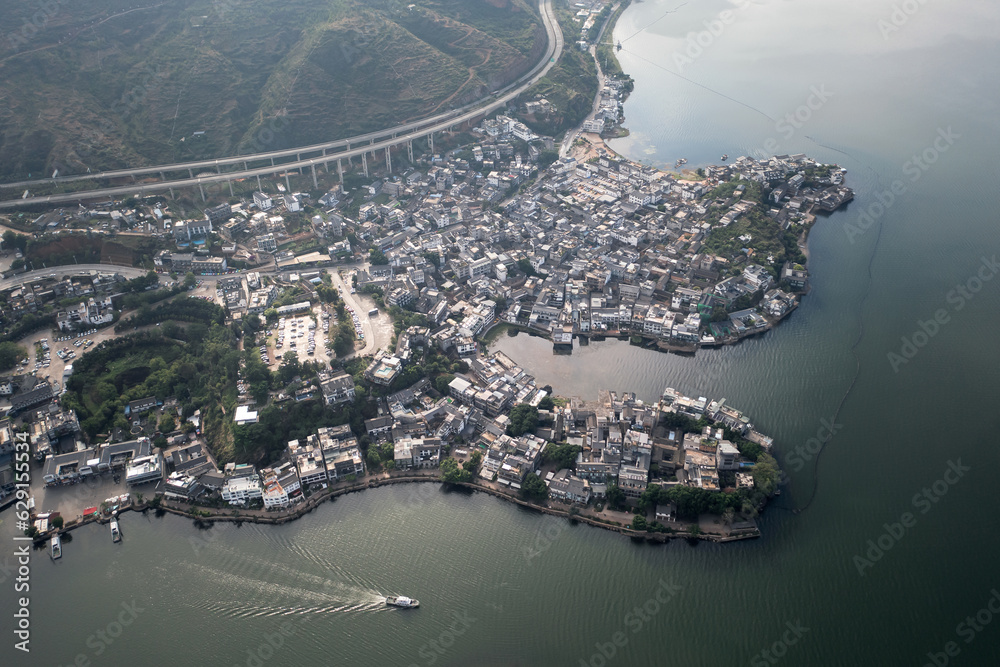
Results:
596 248
94 291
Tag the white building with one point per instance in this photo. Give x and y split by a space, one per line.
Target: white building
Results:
238 490
262 201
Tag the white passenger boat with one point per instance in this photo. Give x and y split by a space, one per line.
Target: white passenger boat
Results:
401 601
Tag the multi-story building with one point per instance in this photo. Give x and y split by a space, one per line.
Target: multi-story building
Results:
239 490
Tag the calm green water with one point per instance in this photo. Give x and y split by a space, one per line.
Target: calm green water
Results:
529 591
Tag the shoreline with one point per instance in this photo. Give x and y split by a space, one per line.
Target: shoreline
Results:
331 494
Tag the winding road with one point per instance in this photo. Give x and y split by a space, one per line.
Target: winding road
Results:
385 139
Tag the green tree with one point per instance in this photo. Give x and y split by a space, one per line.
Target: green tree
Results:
533 488
639 522
766 474
189 280
523 419
524 264
10 354
615 497
327 293
650 498
472 464
57 522
376 256
12 239
719 314
167 424
289 368
546 158
450 472
441 382
563 456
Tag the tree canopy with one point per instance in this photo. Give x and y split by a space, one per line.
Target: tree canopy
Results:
523 419
10 354
533 488
563 456
450 472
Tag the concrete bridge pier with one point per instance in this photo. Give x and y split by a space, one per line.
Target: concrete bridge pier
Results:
364 163
231 193
388 160
288 186
190 174
430 140
409 151
340 173
315 184
172 194
259 189
201 187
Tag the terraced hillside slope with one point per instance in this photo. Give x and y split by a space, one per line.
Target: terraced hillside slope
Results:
109 83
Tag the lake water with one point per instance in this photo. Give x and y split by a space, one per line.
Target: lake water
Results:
504 586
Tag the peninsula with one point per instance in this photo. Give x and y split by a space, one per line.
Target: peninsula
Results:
248 360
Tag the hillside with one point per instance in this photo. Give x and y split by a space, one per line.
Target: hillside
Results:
106 84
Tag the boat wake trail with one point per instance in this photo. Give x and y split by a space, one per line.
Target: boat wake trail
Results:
230 610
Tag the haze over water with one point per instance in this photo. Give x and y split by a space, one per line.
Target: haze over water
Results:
210 596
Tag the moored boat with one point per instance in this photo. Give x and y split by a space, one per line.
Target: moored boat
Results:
401 601
116 534
55 544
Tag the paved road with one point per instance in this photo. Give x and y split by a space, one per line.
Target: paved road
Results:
552 53
378 330
70 269
570 137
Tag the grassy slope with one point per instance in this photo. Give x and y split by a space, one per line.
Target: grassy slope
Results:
570 85
80 93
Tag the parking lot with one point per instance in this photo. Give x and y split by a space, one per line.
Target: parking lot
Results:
62 350
304 333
